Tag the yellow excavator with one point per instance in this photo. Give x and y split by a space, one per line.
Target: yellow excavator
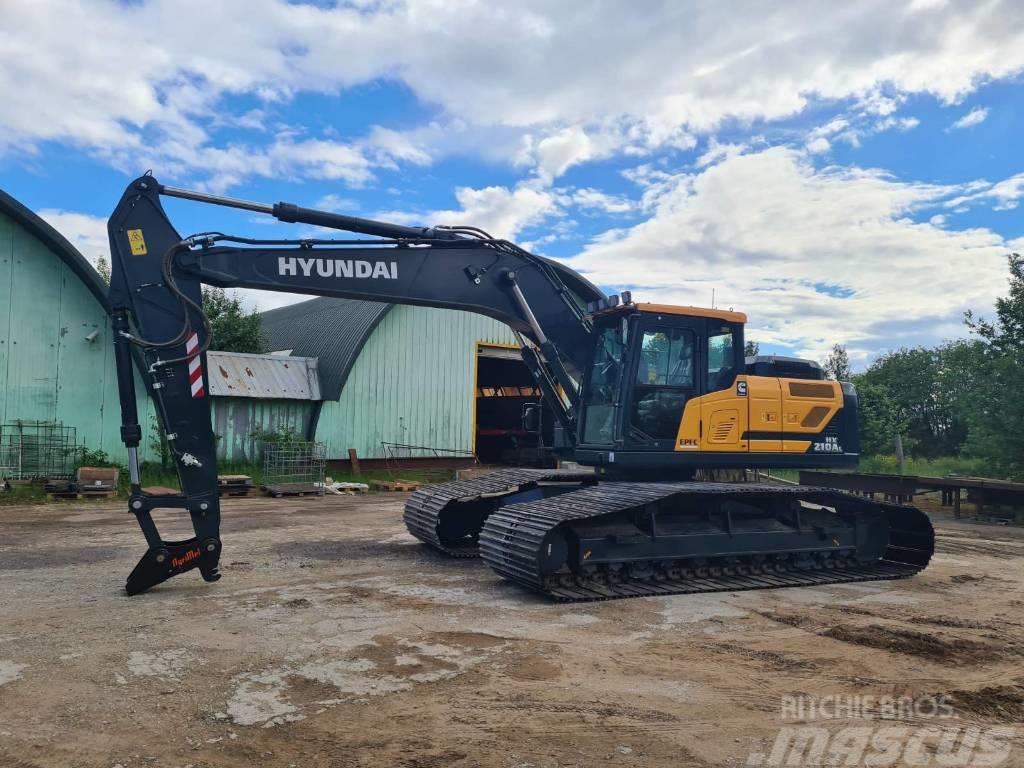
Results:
644 395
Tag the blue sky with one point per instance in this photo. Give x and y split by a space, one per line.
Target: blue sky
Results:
846 176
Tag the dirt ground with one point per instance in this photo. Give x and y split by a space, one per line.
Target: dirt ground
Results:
334 639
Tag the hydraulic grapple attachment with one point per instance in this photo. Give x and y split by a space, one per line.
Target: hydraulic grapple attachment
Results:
165 559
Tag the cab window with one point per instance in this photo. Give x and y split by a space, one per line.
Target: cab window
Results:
603 392
666 358
721 358
665 379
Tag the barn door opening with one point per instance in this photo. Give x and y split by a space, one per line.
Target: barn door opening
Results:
503 386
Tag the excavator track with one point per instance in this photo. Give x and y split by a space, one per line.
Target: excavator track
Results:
633 539
449 516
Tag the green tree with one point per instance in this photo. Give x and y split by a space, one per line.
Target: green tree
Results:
837 365
995 408
1006 333
234 329
919 388
878 416
103 267
751 348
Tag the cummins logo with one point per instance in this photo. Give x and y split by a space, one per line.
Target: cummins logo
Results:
295 265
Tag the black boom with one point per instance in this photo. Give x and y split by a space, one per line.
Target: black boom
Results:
155 296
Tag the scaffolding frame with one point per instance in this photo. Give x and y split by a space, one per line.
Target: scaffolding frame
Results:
294 467
30 450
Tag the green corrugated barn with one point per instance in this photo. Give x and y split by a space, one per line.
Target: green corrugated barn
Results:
56 354
404 380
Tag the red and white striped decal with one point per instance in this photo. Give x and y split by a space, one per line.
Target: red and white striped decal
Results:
195 367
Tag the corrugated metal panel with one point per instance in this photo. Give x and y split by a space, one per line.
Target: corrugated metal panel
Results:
273 377
235 420
413 383
48 371
331 330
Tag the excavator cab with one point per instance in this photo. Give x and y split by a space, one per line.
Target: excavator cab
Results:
669 391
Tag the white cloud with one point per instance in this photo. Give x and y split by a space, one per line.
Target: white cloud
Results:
1003 195
814 257
121 80
499 211
557 153
87 233
595 199
975 117
717 151
866 125
335 203
818 146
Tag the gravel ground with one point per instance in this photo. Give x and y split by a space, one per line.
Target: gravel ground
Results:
334 639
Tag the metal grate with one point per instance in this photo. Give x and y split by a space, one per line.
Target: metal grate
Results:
293 467
37 449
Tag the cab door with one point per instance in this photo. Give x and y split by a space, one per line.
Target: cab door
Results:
666 378
724 407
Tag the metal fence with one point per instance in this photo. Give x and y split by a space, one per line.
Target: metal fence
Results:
37 449
394 453
293 467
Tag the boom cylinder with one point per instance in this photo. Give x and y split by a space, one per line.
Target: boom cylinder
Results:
291 213
131 432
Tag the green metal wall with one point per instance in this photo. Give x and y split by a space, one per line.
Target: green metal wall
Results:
236 418
413 383
48 371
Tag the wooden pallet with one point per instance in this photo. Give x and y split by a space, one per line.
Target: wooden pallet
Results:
292 489
404 486
234 485
347 491
235 492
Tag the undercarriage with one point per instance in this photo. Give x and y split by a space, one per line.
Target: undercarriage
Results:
570 537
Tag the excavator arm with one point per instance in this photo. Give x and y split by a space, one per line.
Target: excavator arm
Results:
160 329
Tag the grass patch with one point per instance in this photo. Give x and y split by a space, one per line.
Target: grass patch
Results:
937 467
23 494
888 465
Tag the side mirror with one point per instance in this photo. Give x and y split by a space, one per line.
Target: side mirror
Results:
531 417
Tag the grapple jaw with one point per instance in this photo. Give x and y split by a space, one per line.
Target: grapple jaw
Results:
174 557
165 559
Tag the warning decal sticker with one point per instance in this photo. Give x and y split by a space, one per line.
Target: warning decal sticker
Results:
137 242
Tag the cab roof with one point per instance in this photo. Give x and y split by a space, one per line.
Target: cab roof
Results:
671 309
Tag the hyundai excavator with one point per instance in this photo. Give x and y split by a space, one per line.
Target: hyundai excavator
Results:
644 396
